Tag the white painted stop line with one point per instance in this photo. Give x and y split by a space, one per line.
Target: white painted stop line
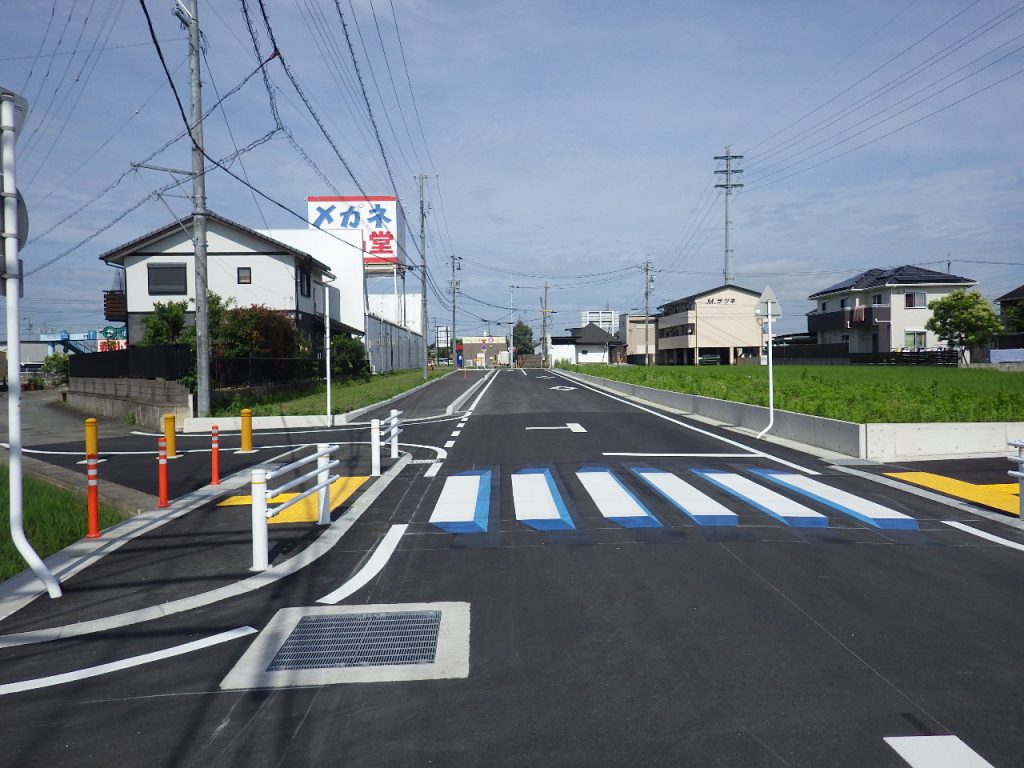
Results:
936 752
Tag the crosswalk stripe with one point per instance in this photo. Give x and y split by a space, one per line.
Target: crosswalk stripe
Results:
768 501
537 501
614 500
703 510
464 503
936 752
861 509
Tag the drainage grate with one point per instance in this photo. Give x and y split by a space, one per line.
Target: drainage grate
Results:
360 640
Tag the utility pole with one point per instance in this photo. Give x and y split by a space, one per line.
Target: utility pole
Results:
190 18
511 332
648 287
729 186
423 272
544 328
453 286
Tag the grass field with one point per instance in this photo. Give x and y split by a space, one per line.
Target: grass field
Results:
345 397
864 394
54 518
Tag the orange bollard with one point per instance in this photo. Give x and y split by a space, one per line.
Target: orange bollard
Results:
162 474
92 443
92 497
215 455
169 436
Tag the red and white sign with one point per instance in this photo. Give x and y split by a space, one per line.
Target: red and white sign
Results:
373 224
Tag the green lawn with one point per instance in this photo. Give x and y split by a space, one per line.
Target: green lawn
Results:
54 518
864 394
345 397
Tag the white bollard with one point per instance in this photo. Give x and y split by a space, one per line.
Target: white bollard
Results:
375 447
394 434
323 473
260 547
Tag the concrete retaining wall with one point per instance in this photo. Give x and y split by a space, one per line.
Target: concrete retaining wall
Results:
144 400
879 442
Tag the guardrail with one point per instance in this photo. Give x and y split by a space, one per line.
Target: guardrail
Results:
1019 472
261 514
390 435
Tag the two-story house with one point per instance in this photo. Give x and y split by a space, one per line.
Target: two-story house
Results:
882 310
250 267
717 325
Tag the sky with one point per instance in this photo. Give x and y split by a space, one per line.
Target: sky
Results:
564 142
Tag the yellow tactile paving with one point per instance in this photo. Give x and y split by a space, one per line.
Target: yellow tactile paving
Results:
1001 496
304 511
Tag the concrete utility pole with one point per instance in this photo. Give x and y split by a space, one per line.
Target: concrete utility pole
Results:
453 286
544 328
190 18
423 272
729 186
13 109
648 287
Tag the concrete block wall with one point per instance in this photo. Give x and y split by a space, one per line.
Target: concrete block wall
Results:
144 400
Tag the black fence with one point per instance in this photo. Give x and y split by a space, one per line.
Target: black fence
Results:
176 361
838 354
1009 341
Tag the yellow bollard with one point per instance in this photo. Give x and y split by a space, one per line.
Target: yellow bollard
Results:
246 430
92 441
169 434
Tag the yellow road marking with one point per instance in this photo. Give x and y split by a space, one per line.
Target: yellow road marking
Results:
999 496
304 511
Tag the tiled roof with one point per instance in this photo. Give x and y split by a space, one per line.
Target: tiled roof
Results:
905 275
694 296
1015 295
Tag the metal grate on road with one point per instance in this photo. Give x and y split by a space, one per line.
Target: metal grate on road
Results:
360 640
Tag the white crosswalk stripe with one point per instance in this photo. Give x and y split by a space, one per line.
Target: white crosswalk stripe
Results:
783 509
702 509
614 500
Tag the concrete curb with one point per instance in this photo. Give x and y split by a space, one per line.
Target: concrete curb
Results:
461 400
234 423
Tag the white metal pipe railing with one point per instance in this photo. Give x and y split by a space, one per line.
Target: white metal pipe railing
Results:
261 494
375 447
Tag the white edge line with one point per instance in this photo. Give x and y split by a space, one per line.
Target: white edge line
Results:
685 455
483 391
753 451
373 566
984 535
134 661
310 554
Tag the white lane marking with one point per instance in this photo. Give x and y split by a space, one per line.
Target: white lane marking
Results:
572 427
449 444
373 566
778 506
116 666
433 469
702 509
483 392
984 535
860 509
936 752
683 424
562 388
458 500
456 433
524 372
683 455
614 500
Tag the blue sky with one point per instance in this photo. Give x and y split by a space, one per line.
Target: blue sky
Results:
570 140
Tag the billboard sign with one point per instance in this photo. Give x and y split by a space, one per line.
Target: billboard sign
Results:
372 223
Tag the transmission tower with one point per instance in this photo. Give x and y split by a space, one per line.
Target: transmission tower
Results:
729 186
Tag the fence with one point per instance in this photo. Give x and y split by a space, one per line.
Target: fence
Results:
839 354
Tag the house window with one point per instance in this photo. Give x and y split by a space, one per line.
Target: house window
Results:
305 282
844 338
915 300
824 306
245 275
168 280
876 299
843 303
914 339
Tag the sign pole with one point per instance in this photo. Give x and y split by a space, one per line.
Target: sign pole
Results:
771 376
10 104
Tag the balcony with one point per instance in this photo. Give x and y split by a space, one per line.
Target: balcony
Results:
115 306
828 321
855 317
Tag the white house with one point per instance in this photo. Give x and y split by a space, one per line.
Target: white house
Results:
242 264
589 344
882 310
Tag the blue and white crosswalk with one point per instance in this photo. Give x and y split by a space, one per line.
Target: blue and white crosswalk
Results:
538 502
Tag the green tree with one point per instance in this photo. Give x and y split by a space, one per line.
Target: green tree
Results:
963 320
166 324
258 331
56 367
1013 316
348 359
522 339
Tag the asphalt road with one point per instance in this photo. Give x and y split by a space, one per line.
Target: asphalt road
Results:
607 628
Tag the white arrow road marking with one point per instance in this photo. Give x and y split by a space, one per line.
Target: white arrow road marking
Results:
115 666
571 426
563 389
373 566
